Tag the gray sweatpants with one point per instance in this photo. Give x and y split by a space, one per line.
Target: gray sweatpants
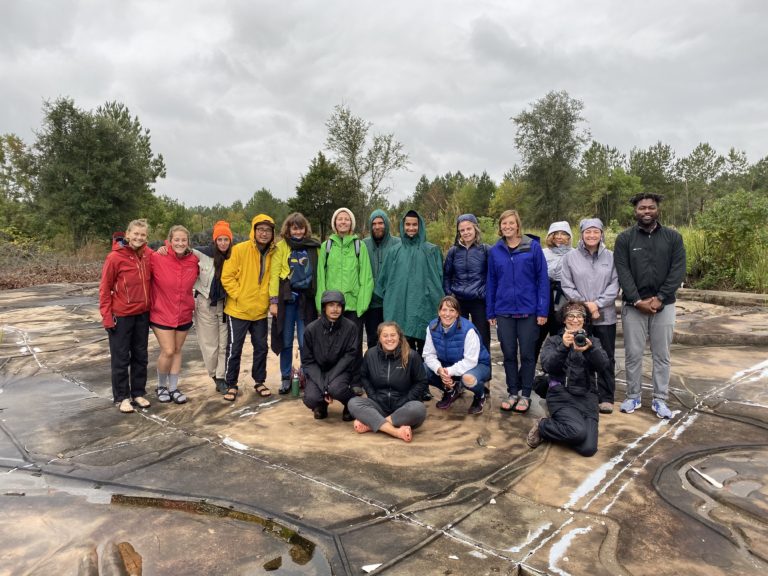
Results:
371 414
638 329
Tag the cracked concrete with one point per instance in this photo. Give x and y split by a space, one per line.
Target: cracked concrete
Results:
466 497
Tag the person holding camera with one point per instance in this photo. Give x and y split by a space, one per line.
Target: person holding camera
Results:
573 361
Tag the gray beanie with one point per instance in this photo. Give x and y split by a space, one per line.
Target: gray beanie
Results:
562 226
591 223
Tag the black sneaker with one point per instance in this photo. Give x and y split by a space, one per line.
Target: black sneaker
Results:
321 412
427 397
346 416
477 405
285 386
449 397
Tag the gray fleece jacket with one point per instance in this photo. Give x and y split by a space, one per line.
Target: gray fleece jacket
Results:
592 278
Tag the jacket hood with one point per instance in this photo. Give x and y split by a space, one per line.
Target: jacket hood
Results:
262 219
378 213
561 226
351 216
421 235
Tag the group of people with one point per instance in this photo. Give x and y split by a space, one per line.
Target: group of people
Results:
427 322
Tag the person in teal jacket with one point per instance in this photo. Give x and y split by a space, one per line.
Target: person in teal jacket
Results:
410 282
344 265
379 244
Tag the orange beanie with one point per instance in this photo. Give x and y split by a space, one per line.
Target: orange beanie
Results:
221 228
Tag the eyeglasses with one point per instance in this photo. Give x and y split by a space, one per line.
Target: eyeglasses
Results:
263 229
575 315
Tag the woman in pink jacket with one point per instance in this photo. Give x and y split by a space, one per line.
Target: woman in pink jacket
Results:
173 275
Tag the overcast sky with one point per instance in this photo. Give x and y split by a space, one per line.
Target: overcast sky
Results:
236 94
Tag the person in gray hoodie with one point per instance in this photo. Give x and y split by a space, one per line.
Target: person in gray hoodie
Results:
379 243
589 275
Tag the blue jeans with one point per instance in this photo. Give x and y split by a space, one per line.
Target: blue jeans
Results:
481 372
524 332
292 321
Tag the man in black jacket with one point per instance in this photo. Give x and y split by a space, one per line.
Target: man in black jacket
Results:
329 357
650 263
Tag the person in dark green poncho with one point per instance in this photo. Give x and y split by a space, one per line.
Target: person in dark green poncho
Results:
410 282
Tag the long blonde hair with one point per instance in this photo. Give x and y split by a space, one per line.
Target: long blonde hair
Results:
405 348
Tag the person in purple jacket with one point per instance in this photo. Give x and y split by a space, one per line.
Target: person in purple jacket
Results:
517 303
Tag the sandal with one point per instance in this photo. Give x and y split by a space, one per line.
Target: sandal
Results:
522 405
178 396
509 405
231 394
262 390
163 395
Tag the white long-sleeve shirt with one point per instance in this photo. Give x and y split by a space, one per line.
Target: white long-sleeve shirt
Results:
469 361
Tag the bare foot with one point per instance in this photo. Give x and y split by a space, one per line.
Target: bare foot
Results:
361 428
405 433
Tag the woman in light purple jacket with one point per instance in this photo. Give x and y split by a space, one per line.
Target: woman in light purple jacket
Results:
588 275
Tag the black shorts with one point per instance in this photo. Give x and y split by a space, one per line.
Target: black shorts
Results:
182 328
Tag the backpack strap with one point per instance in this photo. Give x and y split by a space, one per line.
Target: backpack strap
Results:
329 243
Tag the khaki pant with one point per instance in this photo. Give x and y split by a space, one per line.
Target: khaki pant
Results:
211 335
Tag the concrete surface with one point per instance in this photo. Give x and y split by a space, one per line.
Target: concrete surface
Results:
260 487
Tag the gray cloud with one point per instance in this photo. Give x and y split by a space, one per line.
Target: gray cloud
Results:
236 94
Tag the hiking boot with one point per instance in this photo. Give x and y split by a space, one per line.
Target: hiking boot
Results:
221 385
346 416
449 397
321 412
426 397
661 409
534 436
477 405
285 386
630 405
606 407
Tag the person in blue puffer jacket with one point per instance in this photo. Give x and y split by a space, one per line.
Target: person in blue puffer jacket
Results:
465 272
456 357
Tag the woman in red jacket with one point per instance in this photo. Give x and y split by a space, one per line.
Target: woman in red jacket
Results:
124 300
173 275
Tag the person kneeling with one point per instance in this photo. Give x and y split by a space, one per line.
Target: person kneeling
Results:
456 356
394 379
329 357
573 361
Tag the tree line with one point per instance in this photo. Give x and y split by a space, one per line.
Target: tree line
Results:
90 171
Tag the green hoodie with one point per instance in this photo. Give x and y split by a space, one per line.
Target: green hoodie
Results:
411 282
342 270
377 251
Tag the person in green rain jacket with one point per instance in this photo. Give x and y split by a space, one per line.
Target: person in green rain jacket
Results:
344 265
379 244
411 281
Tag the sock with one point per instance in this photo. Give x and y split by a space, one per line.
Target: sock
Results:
173 382
162 380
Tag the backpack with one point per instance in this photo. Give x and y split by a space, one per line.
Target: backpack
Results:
301 269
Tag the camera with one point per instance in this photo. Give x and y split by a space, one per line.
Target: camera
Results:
580 338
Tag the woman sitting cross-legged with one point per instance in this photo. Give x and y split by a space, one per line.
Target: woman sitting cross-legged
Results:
573 360
394 380
456 357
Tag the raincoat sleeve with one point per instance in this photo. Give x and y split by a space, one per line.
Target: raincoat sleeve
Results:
365 378
490 288
322 255
366 282
230 275
542 309
108 277
608 296
418 378
448 270
308 363
566 280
